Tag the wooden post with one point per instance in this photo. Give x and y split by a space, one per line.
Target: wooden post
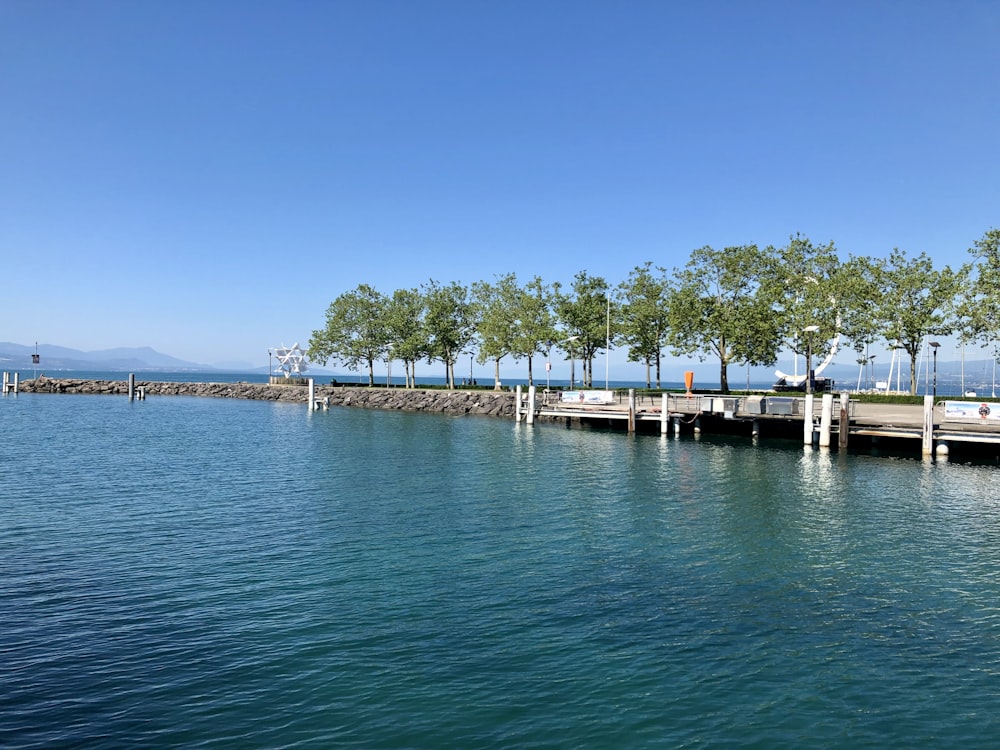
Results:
531 404
826 417
927 437
807 420
631 410
517 403
663 414
845 420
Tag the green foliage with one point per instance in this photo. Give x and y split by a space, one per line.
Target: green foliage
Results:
644 317
979 309
916 301
585 315
449 323
718 306
355 331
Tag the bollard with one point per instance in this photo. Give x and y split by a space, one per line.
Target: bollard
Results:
825 419
845 420
663 414
531 404
312 394
927 436
807 421
517 404
631 411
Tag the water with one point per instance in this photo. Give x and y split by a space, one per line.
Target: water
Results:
186 572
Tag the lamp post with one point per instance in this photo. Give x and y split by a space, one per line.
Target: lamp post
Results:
810 330
548 363
270 367
934 346
572 361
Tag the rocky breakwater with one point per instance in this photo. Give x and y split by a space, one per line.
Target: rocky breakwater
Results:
488 403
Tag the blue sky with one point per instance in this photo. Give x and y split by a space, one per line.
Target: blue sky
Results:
206 177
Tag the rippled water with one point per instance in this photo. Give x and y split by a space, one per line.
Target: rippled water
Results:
189 572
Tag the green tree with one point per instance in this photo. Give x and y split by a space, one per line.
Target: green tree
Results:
585 314
534 324
355 331
804 285
404 324
449 323
495 320
644 316
718 306
980 306
916 301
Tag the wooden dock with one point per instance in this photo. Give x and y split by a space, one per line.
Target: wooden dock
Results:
822 420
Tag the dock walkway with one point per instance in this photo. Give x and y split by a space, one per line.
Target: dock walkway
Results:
934 425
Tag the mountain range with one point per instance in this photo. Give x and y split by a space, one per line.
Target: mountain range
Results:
142 358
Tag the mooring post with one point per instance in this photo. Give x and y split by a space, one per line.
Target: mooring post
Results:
807 420
531 404
131 386
6 377
663 414
845 419
755 429
17 381
825 420
631 410
927 438
312 394
517 403
677 427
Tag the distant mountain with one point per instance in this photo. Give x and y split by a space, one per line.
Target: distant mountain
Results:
143 358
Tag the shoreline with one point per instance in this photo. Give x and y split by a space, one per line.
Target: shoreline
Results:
482 402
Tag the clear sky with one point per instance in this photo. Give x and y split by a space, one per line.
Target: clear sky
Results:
206 177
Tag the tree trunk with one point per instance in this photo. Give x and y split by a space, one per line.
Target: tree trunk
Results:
531 378
647 374
496 375
657 371
724 377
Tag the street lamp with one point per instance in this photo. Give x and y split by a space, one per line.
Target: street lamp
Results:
809 344
572 361
270 367
934 346
388 367
548 363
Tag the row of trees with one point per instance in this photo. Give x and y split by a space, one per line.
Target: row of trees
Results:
740 305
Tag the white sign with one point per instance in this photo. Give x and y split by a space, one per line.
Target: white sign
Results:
588 397
971 410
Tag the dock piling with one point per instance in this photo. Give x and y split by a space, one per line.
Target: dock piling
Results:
825 419
927 436
845 420
807 421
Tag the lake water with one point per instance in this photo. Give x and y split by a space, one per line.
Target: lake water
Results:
185 572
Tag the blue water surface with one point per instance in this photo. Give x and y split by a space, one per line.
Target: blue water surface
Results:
185 572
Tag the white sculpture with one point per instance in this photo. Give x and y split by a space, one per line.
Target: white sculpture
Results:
291 360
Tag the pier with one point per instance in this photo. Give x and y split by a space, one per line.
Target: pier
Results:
931 428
